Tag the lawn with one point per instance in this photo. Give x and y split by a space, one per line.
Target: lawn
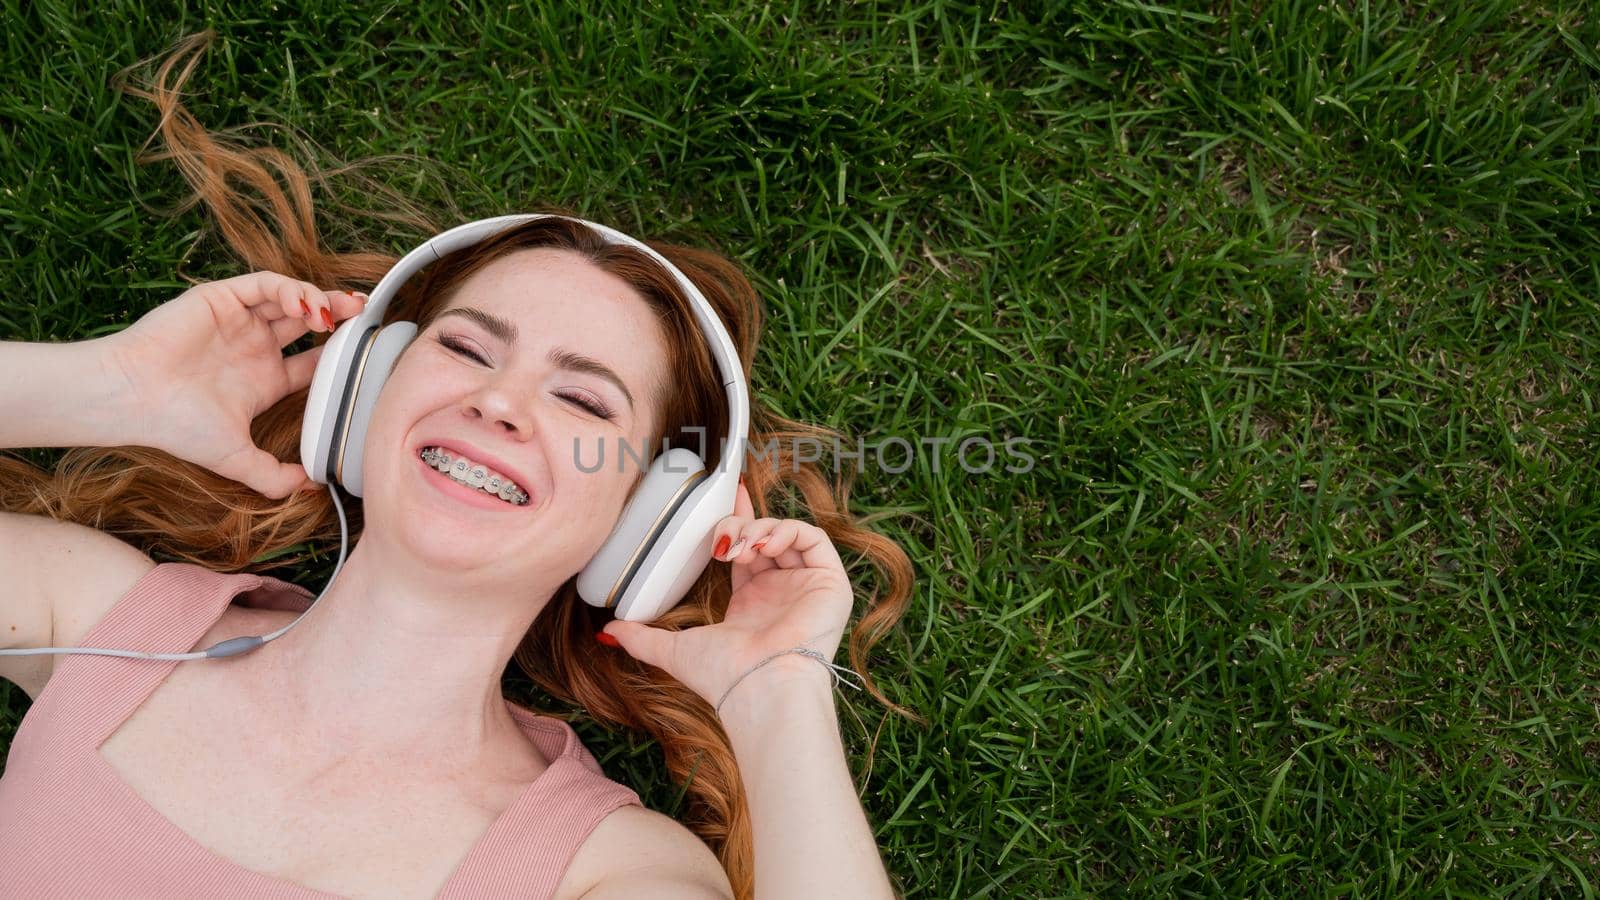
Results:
1294 305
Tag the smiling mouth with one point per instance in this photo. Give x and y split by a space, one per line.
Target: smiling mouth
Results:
508 497
476 479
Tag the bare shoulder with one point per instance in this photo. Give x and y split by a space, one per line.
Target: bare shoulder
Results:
60 578
636 851
90 571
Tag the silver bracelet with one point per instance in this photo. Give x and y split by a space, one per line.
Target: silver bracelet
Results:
807 651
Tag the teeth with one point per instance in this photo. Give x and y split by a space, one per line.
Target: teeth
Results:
475 476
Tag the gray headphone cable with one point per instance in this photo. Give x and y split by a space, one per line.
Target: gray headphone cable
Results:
229 647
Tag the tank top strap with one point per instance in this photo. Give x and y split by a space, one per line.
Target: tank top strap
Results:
168 610
528 850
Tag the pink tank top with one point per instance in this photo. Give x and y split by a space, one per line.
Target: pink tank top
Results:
71 827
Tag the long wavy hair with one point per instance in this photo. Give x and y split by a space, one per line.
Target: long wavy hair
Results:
177 510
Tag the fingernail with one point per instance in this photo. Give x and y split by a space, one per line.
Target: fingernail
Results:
360 297
607 639
734 551
722 546
327 318
304 309
759 546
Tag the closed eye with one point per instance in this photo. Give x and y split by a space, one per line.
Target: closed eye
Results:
450 343
594 408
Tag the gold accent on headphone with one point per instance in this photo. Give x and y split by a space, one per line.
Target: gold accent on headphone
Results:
355 388
688 484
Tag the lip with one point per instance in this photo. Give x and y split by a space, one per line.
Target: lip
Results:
480 456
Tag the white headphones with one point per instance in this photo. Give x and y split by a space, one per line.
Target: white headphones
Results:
661 543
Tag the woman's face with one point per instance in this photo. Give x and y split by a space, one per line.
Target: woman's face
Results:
527 405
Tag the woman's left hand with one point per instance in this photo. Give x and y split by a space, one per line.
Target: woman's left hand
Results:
789 590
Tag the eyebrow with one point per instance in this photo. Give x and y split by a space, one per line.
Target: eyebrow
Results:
506 332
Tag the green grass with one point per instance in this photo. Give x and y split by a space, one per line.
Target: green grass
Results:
1296 302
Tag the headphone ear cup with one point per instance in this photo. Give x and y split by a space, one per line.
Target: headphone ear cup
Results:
371 370
617 569
319 429
681 552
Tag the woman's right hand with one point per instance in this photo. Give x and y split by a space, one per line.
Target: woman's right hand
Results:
200 368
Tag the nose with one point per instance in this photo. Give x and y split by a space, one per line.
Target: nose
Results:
496 404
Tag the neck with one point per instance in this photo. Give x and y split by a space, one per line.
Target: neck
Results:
394 666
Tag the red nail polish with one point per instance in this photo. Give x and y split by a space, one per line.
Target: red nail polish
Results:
759 545
304 309
327 319
722 546
607 639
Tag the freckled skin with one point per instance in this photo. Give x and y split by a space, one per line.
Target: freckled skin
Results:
513 404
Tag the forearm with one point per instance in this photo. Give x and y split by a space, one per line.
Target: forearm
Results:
811 835
60 395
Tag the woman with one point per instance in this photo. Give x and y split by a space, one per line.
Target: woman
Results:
368 751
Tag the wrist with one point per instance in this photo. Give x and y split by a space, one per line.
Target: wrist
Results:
112 415
770 687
